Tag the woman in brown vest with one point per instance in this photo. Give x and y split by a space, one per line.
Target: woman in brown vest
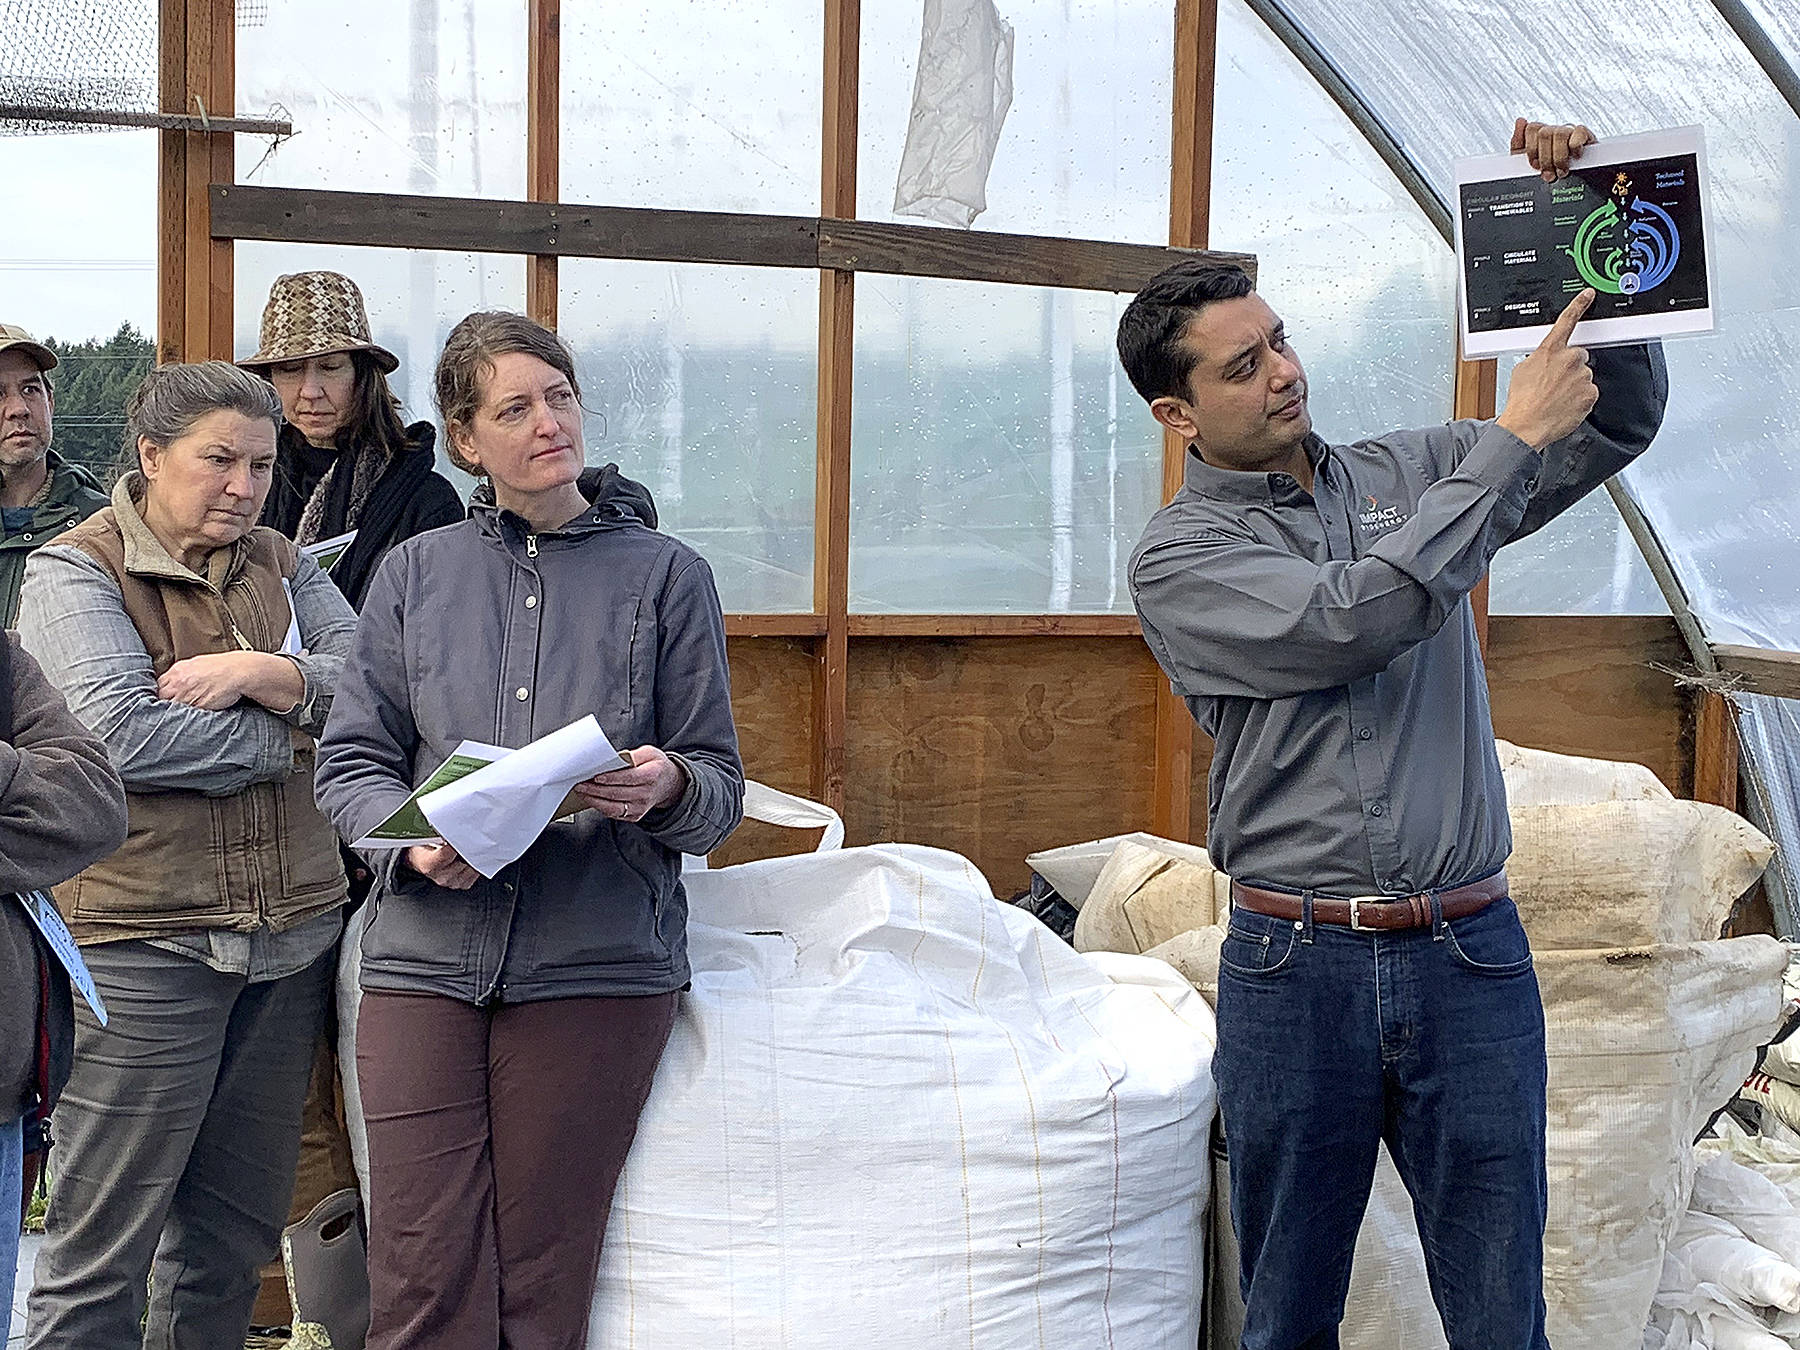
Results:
204 651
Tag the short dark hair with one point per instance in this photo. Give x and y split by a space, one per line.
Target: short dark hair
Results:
468 360
1153 327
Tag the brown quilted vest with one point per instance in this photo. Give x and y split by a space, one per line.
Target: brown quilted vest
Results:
190 862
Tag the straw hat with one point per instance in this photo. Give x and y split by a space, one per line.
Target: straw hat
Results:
310 314
11 336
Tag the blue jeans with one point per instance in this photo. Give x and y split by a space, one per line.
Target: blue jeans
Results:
1332 1040
10 1200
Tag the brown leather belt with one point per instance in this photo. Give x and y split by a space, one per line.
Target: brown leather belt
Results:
1376 911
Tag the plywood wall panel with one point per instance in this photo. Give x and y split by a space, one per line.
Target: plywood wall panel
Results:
771 698
1590 685
997 747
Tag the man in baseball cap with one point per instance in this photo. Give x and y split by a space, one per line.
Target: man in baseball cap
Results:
40 495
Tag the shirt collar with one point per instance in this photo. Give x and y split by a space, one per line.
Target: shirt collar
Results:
144 552
1237 485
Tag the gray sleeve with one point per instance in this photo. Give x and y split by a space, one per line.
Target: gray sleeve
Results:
693 715
62 806
1634 391
366 753
72 618
1226 615
327 628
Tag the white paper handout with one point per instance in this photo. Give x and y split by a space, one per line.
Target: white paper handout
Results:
1631 220
291 644
494 814
44 915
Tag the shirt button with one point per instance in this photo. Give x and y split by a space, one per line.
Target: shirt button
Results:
1363 733
521 693
531 602
1376 810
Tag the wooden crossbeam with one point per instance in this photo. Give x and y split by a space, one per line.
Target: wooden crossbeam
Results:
1762 671
563 229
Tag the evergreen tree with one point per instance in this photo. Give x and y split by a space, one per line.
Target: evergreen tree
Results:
92 381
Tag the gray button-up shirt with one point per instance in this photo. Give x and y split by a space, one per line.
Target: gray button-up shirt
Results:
1325 642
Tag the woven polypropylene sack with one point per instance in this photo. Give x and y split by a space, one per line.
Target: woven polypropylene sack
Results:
1630 873
1145 896
349 1005
1074 868
1543 778
1643 1045
896 1112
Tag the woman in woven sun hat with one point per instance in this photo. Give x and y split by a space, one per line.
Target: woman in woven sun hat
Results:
346 461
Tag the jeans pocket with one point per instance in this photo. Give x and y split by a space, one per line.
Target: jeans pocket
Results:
1490 941
1258 946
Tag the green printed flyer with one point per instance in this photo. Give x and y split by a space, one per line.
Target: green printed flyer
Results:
407 825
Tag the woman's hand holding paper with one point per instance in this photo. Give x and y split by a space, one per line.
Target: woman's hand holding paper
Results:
653 781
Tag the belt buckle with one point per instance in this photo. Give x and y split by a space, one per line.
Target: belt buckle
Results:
1355 903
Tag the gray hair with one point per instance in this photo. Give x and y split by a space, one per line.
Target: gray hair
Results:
468 360
170 399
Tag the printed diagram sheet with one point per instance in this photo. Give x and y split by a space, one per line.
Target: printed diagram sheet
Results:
1630 221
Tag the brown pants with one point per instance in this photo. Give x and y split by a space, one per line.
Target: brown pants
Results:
496 1138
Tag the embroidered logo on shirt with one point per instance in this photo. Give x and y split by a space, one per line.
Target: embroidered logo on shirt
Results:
1378 519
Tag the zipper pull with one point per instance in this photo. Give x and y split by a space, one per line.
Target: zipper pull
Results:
243 642
531 546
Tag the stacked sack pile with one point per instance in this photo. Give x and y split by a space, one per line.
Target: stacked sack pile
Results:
1731 1278
1652 1023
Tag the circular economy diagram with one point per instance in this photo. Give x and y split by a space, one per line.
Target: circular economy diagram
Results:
1628 261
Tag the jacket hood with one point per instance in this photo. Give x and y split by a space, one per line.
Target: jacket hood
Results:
71 482
421 439
613 496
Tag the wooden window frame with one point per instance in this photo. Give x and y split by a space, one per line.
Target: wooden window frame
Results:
202 211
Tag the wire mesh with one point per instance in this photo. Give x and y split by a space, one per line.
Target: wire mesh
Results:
76 55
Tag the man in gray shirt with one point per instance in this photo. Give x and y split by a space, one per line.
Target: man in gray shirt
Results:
1310 604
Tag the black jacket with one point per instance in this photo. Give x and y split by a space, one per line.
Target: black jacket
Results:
408 499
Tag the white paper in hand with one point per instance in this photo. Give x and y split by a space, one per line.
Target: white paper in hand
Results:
492 816
49 922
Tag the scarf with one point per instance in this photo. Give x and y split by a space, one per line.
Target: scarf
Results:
369 462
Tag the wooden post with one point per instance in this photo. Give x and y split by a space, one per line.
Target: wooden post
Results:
1715 751
171 183
1476 392
196 74
1190 208
543 143
837 350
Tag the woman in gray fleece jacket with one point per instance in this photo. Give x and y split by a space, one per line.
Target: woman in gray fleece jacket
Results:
511 1027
